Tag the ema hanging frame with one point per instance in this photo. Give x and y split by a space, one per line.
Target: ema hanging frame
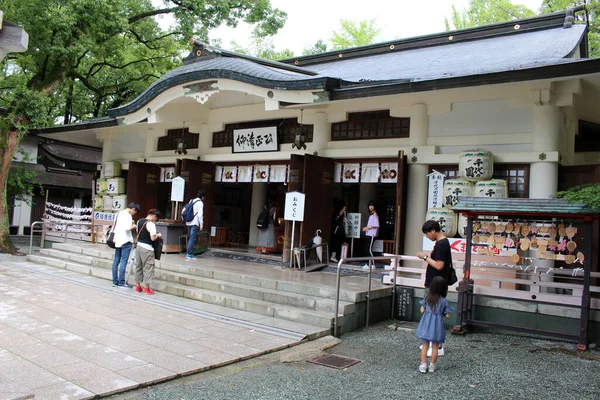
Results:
500 236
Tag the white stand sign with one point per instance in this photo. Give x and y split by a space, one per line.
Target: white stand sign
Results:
353 229
294 211
177 191
435 189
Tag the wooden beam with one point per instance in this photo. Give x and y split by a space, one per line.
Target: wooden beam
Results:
12 40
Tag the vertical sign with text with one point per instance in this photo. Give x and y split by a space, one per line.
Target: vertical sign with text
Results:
435 189
294 206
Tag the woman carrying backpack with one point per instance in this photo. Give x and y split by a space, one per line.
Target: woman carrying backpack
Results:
266 234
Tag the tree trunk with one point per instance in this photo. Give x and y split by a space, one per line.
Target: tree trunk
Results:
12 141
69 105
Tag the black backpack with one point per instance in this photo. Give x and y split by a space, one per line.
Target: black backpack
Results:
263 219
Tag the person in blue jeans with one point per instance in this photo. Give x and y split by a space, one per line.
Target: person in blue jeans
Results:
123 241
196 224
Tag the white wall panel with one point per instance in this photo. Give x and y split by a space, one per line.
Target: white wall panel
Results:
481 118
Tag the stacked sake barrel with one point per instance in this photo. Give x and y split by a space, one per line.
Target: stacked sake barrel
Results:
476 168
110 188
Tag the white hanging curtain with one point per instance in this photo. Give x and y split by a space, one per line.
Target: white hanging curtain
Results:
369 173
229 174
278 173
261 173
244 173
351 173
337 173
389 172
218 173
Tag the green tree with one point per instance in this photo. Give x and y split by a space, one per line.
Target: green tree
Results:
586 194
593 13
354 34
484 12
24 180
262 47
317 48
86 56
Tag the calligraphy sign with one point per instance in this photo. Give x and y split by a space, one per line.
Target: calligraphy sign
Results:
177 189
255 140
435 192
353 225
294 206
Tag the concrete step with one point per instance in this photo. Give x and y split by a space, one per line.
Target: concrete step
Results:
71 266
107 254
286 312
78 258
253 292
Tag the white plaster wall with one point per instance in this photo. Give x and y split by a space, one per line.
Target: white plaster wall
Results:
128 143
30 146
481 118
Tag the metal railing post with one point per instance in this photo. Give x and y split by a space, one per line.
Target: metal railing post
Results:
31 235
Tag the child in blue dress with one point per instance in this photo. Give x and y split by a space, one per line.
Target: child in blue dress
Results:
434 308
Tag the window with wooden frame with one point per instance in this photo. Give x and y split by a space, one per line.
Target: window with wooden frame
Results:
169 142
287 129
370 125
515 175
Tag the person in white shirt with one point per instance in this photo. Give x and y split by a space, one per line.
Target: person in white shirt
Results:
123 241
196 224
144 256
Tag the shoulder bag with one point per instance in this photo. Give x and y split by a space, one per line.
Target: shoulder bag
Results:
110 239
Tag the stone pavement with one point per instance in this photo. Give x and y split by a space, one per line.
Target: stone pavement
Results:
70 336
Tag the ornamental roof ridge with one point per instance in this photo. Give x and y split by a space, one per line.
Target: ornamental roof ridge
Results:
562 19
203 51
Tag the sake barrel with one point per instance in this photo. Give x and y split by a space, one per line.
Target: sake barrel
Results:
98 203
111 169
476 165
119 202
495 188
445 217
462 225
101 186
115 186
456 187
107 203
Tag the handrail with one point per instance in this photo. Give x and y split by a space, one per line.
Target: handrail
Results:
31 234
369 259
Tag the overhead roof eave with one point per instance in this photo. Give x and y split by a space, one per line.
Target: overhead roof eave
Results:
569 69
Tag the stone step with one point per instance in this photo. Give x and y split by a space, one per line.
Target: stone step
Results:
306 289
71 266
253 292
107 254
323 319
78 258
286 312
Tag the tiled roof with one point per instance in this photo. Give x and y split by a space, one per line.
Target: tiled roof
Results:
541 207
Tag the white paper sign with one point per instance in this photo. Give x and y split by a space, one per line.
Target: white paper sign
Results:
435 192
294 206
377 246
353 225
255 140
177 189
104 216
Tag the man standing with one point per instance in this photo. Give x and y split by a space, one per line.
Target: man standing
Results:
439 263
196 224
144 257
122 228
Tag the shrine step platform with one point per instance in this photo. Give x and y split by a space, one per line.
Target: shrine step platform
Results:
271 295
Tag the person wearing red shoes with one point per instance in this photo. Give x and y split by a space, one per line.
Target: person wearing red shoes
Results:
144 257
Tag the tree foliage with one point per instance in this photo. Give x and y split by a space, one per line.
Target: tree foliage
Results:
87 56
262 47
23 182
585 194
484 12
593 13
319 47
354 34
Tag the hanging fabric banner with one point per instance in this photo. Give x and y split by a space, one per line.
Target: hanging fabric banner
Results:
337 173
351 173
218 173
369 173
278 173
229 174
245 173
261 173
389 172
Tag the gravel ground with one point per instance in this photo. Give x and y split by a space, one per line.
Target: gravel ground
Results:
483 365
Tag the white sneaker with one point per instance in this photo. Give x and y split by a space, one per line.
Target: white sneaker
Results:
440 351
423 368
366 267
431 367
333 259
